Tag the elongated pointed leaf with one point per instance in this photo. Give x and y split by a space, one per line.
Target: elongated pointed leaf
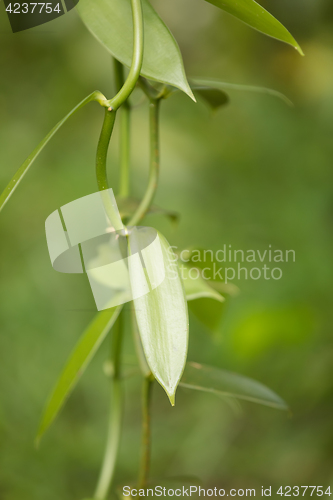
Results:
253 14
223 86
78 361
225 383
95 96
110 21
161 313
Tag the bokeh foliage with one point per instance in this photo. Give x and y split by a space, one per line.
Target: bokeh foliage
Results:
255 173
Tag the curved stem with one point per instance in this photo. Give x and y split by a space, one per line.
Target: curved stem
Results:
124 183
115 419
146 433
154 165
102 181
124 146
135 69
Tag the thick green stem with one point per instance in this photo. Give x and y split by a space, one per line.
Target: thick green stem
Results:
124 184
101 175
154 165
124 146
146 433
135 69
115 419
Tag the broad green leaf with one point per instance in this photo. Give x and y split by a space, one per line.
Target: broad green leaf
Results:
161 314
110 21
128 206
253 14
196 287
78 361
225 383
215 98
223 86
95 96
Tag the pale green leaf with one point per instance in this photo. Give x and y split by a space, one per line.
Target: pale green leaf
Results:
78 361
110 21
253 14
95 96
223 86
161 314
225 383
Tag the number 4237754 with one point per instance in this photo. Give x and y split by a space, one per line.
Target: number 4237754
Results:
295 491
32 7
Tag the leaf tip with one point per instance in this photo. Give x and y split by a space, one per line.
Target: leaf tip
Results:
172 398
299 49
187 89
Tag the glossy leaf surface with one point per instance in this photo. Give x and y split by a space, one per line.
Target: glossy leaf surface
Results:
110 21
225 383
253 14
95 96
77 363
162 316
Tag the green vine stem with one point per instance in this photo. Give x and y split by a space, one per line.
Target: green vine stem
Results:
116 411
124 146
115 419
135 69
154 164
101 175
146 432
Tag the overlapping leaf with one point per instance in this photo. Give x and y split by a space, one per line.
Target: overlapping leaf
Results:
110 21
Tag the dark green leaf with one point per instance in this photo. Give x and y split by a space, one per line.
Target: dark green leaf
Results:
224 383
78 361
161 314
223 86
110 21
196 287
208 312
253 14
95 96
215 98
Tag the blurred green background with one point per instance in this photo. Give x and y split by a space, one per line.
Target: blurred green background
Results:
257 173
